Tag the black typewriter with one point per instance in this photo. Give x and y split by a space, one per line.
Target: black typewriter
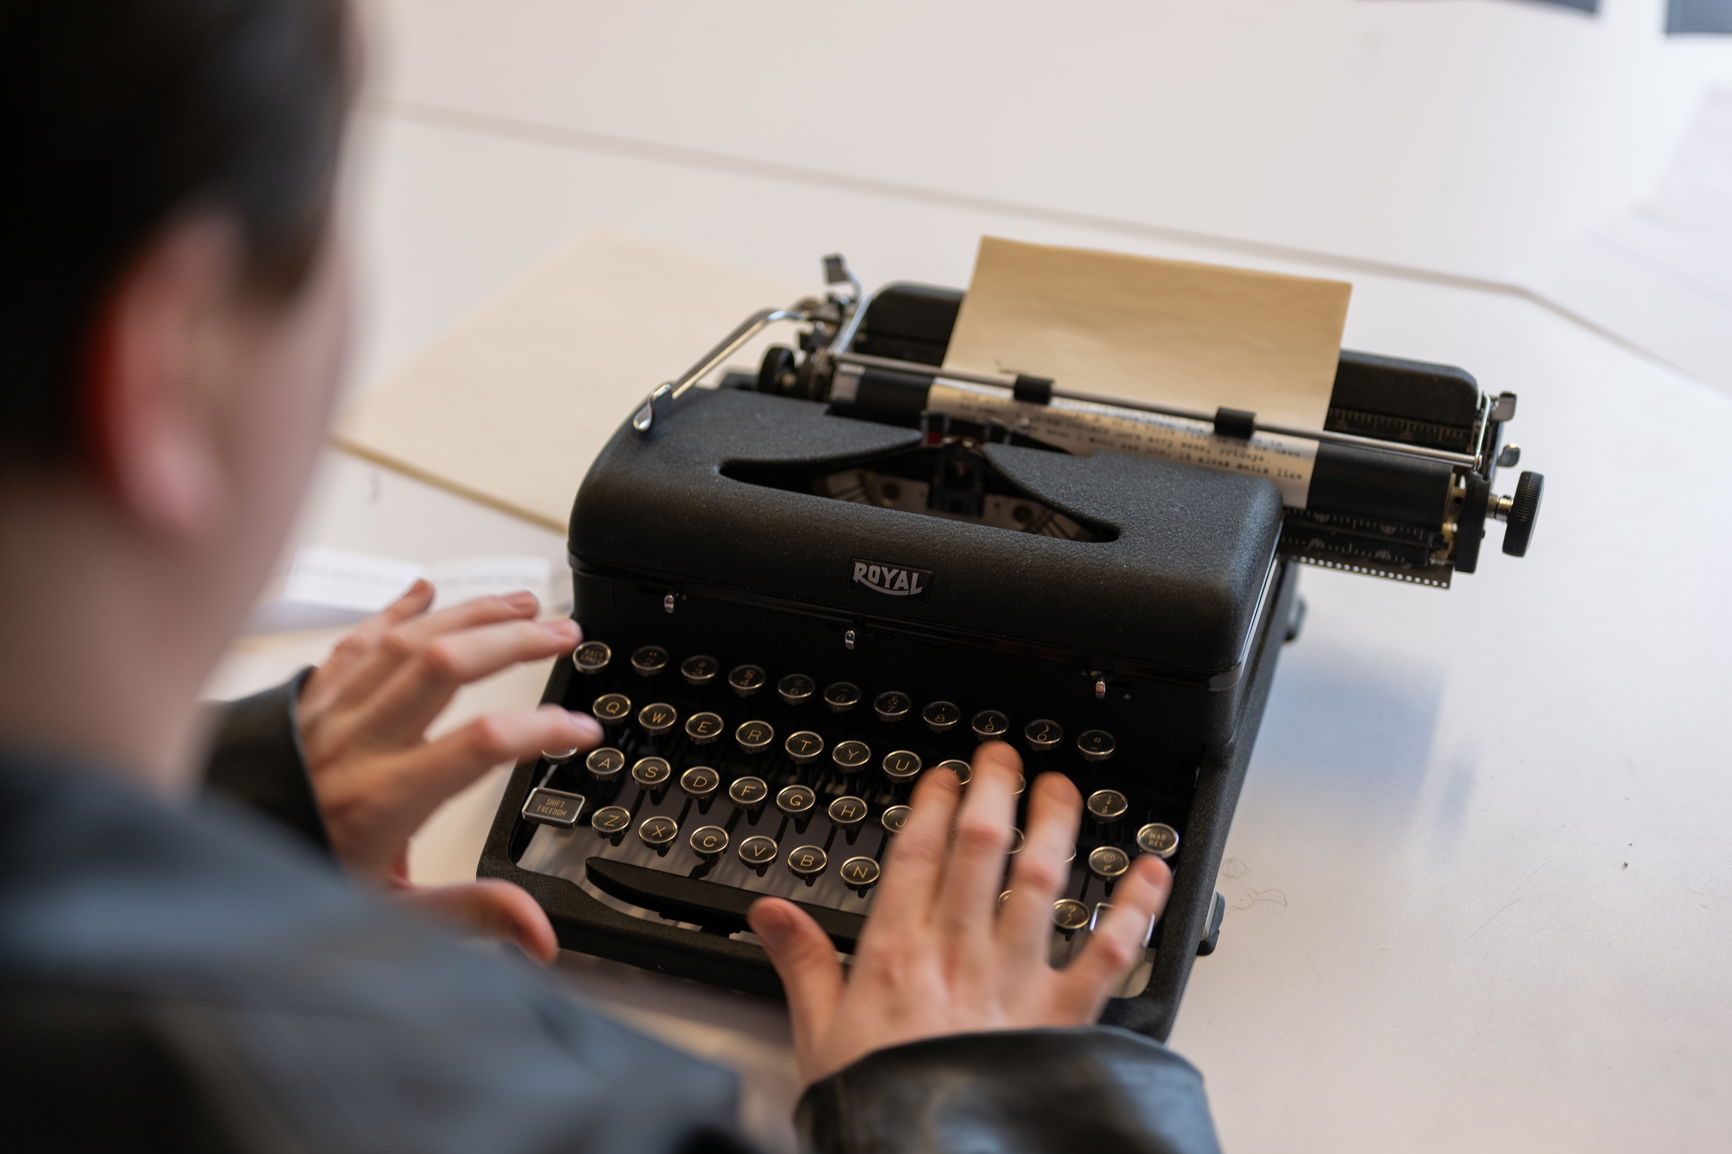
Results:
801 589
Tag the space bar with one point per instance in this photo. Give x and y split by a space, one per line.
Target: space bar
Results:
709 904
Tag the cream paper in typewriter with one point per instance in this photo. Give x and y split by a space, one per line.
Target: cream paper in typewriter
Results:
1189 336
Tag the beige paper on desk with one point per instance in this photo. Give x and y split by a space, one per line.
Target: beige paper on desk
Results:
511 407
1185 335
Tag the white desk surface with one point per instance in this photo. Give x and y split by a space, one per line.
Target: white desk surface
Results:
1480 883
1464 137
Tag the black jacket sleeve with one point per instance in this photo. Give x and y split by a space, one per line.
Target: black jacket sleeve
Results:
1093 1088
256 759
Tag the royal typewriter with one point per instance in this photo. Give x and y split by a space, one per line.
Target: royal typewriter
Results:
803 587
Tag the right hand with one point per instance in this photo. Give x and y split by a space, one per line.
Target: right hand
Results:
939 955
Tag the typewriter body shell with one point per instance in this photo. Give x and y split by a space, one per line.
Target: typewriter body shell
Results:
1154 616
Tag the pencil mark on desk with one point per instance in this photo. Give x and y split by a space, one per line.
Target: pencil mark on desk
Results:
519 128
1254 897
1512 900
1234 868
1501 910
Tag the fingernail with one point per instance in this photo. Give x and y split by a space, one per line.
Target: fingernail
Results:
771 923
590 726
562 630
523 599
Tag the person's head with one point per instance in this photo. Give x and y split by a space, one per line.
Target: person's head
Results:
173 308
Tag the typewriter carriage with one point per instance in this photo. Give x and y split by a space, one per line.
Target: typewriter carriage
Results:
1406 462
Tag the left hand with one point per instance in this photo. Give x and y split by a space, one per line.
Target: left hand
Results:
364 714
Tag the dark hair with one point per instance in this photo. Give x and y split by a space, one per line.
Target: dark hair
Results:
116 118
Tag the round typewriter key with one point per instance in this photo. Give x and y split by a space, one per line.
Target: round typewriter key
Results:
1043 733
650 660
748 791
847 811
841 696
591 657
894 818
1005 897
1107 804
1069 915
1016 840
758 850
989 723
900 764
704 728
850 755
699 669
746 679
861 873
803 746
941 716
1108 861
559 756
657 717
610 819
892 705
1158 838
796 688
658 830
708 840
807 860
796 799
755 736
651 771
1095 744
611 707
959 767
700 781
605 762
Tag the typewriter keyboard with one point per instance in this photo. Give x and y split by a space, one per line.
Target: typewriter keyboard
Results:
717 783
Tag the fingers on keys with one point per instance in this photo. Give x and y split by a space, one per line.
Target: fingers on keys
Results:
916 858
1116 945
1039 874
420 690
449 763
805 960
974 875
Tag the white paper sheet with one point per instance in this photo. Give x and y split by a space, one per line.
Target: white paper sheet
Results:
327 588
1661 276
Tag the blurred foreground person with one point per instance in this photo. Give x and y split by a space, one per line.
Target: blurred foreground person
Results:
193 975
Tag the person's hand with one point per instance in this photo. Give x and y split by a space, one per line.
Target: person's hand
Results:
364 716
939 955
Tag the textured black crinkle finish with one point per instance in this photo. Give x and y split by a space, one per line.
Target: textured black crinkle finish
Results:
1177 587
